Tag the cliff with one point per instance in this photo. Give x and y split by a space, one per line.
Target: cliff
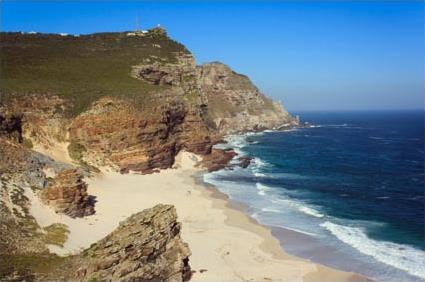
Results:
236 105
125 99
130 101
67 194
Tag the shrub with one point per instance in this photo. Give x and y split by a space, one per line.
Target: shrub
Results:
27 143
56 234
76 151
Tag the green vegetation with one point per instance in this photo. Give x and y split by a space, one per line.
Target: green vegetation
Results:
56 234
27 143
81 69
23 267
76 151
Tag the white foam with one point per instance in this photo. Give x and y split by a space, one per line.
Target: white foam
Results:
400 256
302 207
261 163
300 231
262 189
259 174
310 211
271 210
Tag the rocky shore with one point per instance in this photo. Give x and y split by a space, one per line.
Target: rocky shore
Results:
72 150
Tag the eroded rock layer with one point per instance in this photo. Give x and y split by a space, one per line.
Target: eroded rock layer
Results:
68 194
135 108
145 247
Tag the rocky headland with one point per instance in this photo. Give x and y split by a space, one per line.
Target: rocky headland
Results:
127 101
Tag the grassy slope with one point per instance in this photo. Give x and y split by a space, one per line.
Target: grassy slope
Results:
79 68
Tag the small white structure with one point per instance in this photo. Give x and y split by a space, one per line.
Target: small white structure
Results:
63 34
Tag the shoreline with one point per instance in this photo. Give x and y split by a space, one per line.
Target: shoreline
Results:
271 243
226 243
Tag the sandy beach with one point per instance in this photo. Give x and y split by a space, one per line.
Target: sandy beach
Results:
226 244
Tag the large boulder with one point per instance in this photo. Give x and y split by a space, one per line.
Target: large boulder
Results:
145 247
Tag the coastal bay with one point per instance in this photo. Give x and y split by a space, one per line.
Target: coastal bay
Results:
226 244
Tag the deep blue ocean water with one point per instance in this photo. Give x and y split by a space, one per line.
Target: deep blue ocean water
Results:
353 182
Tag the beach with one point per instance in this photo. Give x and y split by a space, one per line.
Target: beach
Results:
226 244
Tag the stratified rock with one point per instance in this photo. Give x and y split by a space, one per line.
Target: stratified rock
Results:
139 115
235 104
145 247
218 159
140 140
68 194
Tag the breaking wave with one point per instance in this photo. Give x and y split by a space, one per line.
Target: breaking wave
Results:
400 256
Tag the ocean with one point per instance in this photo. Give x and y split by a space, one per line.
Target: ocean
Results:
350 188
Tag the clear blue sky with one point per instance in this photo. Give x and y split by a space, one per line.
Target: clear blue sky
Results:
311 55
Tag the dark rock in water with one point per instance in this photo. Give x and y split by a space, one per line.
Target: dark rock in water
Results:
244 161
218 159
68 194
145 247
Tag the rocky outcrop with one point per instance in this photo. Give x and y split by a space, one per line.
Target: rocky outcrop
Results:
140 140
155 104
68 194
236 105
145 247
11 127
218 159
43 118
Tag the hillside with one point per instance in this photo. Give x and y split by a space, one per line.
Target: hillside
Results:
132 100
70 105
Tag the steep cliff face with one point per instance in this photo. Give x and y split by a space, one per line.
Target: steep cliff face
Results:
140 140
145 247
130 100
126 100
235 104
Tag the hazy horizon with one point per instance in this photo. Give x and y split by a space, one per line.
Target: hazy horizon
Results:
310 55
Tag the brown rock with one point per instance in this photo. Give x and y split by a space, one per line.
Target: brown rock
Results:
218 159
145 247
68 194
235 104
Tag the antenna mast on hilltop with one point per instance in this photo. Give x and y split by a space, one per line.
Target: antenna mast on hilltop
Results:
137 23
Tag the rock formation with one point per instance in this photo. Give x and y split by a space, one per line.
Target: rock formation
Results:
140 140
132 101
145 247
137 115
218 159
68 194
236 105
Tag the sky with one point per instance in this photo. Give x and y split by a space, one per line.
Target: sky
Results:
311 55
